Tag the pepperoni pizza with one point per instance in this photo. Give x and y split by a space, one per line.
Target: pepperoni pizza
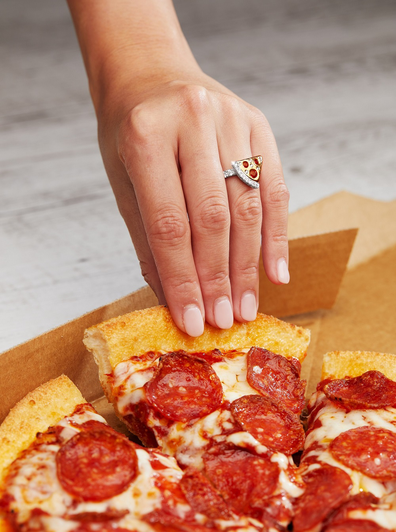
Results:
349 458
63 469
222 408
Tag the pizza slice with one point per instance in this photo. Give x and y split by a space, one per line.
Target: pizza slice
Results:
249 169
63 469
349 457
226 404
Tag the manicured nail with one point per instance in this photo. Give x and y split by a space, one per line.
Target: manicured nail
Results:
223 314
193 321
283 272
249 306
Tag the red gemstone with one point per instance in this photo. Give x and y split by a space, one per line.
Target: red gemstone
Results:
245 164
256 161
253 173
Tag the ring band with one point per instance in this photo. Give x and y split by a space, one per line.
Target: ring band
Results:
248 170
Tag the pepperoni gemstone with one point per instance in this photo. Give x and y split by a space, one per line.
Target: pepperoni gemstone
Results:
271 425
275 376
326 488
184 388
96 465
245 164
370 390
253 173
370 450
243 479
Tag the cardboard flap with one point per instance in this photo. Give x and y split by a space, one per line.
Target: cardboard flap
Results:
317 265
375 219
61 350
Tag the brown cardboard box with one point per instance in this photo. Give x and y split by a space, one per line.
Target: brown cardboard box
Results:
362 317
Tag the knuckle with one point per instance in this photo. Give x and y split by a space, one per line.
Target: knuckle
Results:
180 284
248 271
168 226
278 236
213 216
138 126
247 210
215 282
195 98
259 118
277 193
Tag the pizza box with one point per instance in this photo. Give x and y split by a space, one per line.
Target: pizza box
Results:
347 300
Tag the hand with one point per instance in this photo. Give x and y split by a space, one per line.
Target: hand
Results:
197 235
166 134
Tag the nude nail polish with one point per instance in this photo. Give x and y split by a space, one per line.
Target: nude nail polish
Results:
193 321
223 314
283 271
249 306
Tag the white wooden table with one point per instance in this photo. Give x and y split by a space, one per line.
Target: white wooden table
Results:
323 72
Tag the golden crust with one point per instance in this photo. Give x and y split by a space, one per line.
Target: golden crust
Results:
340 364
38 410
153 329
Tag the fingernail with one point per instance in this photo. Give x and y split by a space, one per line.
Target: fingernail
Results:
283 272
193 321
223 314
249 306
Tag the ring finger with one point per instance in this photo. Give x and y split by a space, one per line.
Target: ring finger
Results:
246 221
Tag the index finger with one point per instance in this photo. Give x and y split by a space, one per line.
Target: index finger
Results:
152 168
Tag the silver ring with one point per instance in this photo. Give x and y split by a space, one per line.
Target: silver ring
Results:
248 170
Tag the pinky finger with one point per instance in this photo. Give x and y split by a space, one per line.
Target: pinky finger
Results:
275 202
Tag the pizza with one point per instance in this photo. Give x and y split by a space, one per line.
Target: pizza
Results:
349 460
63 469
226 405
224 445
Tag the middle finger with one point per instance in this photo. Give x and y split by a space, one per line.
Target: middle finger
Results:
246 220
207 205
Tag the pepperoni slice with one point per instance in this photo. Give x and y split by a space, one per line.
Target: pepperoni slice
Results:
243 479
370 390
211 357
370 450
361 501
104 527
326 488
269 423
274 375
96 465
184 388
136 422
163 520
202 496
356 525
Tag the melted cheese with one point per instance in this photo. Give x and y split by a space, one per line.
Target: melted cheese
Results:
232 375
188 442
383 517
335 421
35 484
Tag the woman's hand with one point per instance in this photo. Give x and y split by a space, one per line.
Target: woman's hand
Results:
167 131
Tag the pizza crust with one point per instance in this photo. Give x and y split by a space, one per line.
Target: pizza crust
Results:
153 329
340 364
36 412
